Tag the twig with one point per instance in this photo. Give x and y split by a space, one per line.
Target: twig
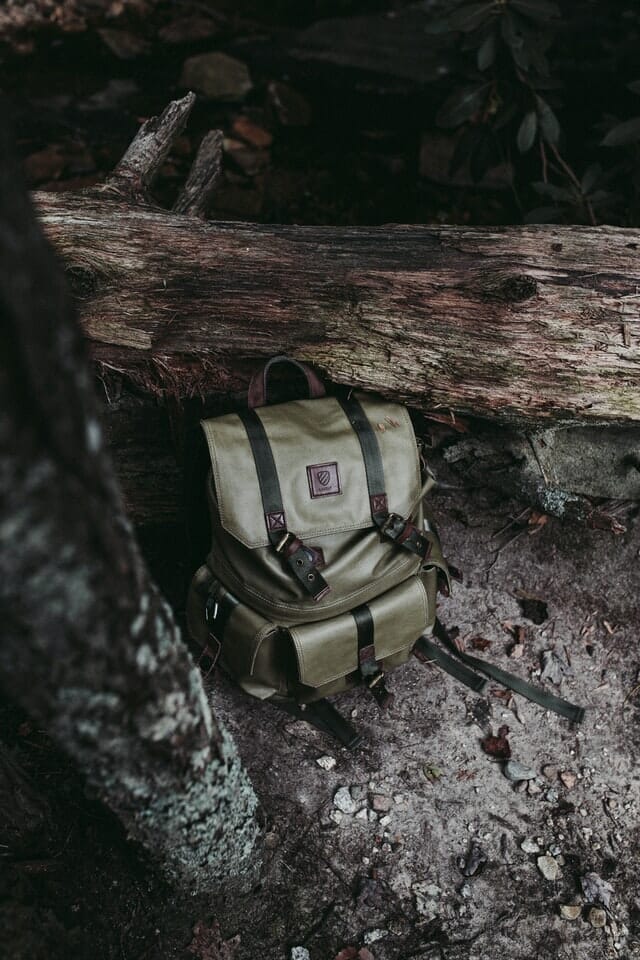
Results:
203 177
148 149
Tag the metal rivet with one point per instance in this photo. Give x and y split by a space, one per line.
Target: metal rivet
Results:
310 576
299 562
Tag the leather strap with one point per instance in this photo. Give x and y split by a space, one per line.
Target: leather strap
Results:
258 395
404 533
301 560
429 652
368 666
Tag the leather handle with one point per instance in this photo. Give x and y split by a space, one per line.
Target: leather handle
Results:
258 395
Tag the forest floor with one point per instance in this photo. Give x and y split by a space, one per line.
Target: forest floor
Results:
435 852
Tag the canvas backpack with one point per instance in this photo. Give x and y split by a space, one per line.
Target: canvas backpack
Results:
324 568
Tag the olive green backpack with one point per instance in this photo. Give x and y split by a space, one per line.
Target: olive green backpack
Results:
324 568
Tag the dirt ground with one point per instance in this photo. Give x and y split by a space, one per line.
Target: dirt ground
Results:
392 881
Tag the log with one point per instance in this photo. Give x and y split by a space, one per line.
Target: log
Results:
524 325
532 326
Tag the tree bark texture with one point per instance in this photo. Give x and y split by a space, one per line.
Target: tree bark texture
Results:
527 325
89 647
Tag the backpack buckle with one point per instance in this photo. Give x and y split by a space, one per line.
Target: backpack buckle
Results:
208 658
286 541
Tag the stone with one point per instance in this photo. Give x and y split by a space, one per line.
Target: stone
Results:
336 816
291 107
530 846
344 802
548 867
372 816
359 792
550 771
597 917
385 821
300 953
380 803
362 814
371 936
568 778
570 911
252 132
326 762
217 76
514 770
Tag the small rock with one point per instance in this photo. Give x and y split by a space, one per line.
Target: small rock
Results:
344 801
385 821
550 771
336 816
516 652
372 816
597 917
530 846
568 778
326 762
513 770
359 792
300 953
217 76
548 867
362 814
380 803
474 860
552 795
570 911
251 132
371 936
534 787
291 107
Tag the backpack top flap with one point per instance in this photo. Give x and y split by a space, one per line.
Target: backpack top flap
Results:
320 467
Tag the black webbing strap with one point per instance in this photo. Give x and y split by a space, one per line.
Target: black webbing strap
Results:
368 667
391 525
323 715
301 560
429 652
536 694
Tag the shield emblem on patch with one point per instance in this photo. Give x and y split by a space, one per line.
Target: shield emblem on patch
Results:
324 479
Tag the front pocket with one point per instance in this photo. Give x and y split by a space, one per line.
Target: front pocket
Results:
328 650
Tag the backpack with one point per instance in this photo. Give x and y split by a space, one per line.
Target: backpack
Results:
324 568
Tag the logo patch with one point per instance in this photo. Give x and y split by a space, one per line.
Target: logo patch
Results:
324 479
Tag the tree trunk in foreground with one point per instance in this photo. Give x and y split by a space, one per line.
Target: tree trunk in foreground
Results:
525 325
89 647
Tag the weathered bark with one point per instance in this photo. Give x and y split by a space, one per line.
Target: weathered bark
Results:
89 647
527 325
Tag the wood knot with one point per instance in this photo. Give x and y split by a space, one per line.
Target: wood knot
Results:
82 281
511 288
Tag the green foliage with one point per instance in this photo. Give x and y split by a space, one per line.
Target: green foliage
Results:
548 88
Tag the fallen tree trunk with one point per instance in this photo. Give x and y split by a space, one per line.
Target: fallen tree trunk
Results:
518 324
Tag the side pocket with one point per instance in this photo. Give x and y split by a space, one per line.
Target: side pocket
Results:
255 652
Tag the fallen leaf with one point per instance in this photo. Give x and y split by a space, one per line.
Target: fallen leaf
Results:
497 746
347 953
596 890
554 668
475 860
432 773
480 643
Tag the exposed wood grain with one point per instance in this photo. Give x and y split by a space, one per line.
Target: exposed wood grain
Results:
522 324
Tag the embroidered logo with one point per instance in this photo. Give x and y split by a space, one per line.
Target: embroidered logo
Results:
324 479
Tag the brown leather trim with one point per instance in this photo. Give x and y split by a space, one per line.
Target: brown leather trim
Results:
258 393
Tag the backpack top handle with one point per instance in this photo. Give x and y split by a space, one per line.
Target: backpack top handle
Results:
258 395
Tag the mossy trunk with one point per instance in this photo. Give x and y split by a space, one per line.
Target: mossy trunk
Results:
90 648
